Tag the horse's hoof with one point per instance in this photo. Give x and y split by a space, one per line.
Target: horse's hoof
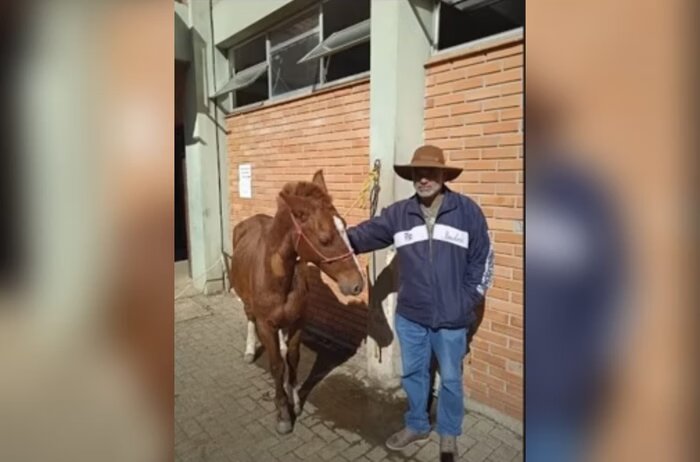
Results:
248 357
297 409
284 427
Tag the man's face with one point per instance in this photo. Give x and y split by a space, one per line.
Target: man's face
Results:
427 181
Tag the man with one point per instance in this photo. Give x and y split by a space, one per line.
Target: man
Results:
445 266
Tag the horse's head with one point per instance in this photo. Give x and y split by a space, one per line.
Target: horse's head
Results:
319 232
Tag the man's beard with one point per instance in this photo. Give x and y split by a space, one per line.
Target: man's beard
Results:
428 191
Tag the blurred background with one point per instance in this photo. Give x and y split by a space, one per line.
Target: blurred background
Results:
609 217
86 248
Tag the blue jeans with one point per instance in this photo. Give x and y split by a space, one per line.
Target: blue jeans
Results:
418 343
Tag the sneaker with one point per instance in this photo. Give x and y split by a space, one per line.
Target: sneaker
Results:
448 444
404 437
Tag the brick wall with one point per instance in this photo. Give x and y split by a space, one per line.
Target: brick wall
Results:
289 142
474 111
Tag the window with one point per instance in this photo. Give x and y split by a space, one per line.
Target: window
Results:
287 46
345 49
328 42
249 68
462 21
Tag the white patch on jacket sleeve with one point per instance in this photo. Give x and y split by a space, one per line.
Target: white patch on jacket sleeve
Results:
411 236
451 235
487 275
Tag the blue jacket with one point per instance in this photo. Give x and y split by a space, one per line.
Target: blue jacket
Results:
443 277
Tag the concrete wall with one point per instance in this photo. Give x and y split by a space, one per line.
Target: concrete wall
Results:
183 38
203 137
231 17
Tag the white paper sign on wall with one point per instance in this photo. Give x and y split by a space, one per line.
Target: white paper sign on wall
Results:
245 176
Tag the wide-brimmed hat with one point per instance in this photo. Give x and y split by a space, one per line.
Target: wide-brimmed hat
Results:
427 157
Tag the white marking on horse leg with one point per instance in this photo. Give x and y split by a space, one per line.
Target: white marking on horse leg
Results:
341 230
250 341
283 343
296 402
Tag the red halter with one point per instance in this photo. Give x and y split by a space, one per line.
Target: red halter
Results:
324 259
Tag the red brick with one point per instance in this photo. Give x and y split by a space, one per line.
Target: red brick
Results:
478 365
505 397
508 330
501 127
449 76
508 284
503 102
498 177
466 130
465 154
513 61
511 139
492 360
464 108
437 112
492 382
462 62
514 214
483 93
481 142
492 338
513 88
509 114
500 153
484 68
510 378
505 52
506 307
481 165
447 100
480 117
499 294
497 200
503 188
506 353
504 77
466 84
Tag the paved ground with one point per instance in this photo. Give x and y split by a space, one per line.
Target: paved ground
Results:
224 411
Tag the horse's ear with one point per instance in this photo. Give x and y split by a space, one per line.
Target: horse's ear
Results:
297 205
319 181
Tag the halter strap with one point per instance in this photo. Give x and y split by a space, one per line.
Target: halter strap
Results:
300 234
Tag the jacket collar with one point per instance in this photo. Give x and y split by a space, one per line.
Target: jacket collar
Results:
449 202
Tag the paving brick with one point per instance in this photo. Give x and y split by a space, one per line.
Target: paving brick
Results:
508 437
223 410
428 453
309 448
478 453
356 450
376 454
285 447
504 453
323 431
350 437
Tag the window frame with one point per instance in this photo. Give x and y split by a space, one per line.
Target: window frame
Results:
436 51
269 49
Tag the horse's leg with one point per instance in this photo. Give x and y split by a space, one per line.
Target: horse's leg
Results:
269 338
293 364
250 341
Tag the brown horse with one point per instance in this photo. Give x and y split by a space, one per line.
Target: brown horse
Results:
269 274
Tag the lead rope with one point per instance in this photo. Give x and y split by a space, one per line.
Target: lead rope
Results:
373 202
